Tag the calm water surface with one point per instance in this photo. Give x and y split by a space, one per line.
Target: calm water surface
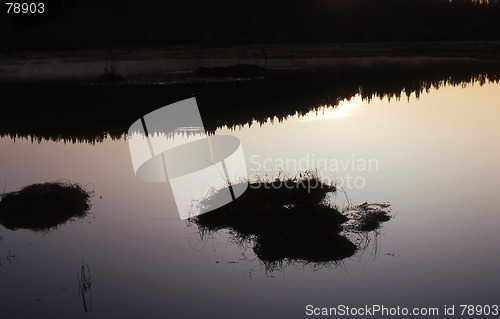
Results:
435 159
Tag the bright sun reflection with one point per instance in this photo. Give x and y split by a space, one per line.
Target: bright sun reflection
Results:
344 108
325 112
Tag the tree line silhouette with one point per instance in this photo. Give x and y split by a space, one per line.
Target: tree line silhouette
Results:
94 23
78 112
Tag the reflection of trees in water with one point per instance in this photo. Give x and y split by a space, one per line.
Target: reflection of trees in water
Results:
284 222
89 113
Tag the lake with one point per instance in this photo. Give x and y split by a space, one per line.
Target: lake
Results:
434 158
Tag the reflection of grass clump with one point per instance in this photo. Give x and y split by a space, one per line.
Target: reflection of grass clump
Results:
43 206
285 219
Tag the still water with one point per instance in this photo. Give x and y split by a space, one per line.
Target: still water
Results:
434 159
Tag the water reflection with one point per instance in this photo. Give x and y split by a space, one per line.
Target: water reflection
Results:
85 287
438 168
79 112
287 221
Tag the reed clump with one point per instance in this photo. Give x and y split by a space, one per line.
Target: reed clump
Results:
43 206
286 220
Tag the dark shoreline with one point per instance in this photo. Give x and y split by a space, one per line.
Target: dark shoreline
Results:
466 49
162 61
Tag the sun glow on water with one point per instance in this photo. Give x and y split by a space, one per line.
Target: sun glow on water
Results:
343 109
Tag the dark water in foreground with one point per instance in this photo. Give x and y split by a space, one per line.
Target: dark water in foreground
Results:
435 159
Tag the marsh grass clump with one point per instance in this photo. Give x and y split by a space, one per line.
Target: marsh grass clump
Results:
43 206
367 216
289 220
285 219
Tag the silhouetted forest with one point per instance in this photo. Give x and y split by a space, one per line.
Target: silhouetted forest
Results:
126 23
88 112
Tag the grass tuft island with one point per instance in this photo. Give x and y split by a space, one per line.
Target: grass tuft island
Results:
43 206
288 220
